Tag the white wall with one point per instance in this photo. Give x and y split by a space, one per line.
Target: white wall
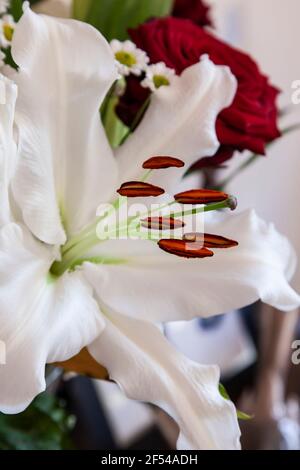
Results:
270 31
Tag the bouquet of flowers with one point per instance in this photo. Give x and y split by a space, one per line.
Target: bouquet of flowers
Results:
98 245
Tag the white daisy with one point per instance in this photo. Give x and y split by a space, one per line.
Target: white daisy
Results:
4 6
7 27
129 58
158 75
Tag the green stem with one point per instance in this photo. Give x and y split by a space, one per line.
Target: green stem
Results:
105 105
220 186
91 228
59 267
207 208
195 210
146 175
139 116
75 254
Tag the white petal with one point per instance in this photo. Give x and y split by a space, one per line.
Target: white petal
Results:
66 166
8 95
41 320
180 122
148 368
157 286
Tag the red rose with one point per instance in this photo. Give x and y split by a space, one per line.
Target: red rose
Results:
132 100
195 10
251 121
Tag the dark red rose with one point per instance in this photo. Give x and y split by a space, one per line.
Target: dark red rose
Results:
195 10
251 121
216 161
132 100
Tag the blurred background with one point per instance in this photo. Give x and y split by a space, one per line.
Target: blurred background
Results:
269 31
253 347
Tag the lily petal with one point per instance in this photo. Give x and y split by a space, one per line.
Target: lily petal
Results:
8 95
147 284
41 320
66 167
180 122
148 368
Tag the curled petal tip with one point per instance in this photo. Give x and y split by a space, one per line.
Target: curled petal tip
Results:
162 223
25 6
209 240
184 249
200 196
160 162
139 189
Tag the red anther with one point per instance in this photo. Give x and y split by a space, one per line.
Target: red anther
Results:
184 249
200 196
162 223
139 189
158 163
209 241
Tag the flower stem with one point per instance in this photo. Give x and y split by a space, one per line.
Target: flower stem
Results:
222 185
137 119
91 228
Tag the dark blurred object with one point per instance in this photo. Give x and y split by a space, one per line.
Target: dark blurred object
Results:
94 430
270 433
215 162
196 10
269 390
132 102
151 440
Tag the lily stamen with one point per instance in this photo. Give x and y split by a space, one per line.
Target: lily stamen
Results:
209 240
162 223
162 162
202 200
184 249
139 189
200 196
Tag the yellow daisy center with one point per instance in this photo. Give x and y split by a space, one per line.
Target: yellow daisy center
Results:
8 31
160 80
125 58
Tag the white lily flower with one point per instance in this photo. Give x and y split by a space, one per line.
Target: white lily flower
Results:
158 75
112 302
129 58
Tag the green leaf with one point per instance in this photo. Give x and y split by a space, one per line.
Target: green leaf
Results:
243 416
15 9
113 17
81 9
240 414
223 392
44 425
